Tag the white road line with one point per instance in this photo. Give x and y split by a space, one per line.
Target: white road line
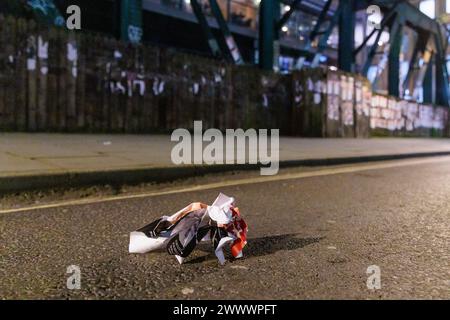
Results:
254 180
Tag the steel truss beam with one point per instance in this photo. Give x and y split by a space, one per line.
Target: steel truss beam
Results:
287 15
270 27
224 45
269 13
442 82
346 35
323 36
394 57
405 14
225 34
320 20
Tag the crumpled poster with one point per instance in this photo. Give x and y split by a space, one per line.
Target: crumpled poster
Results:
221 223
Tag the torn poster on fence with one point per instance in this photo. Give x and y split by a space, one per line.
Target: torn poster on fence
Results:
221 223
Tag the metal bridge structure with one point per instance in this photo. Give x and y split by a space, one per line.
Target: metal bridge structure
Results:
426 75
428 65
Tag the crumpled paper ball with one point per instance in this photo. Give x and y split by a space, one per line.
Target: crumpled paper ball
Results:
221 223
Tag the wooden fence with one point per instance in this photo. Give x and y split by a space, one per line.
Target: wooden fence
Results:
59 81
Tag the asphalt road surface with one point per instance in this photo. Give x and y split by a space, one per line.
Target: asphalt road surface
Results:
312 236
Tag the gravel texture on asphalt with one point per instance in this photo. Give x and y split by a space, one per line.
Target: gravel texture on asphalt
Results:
310 238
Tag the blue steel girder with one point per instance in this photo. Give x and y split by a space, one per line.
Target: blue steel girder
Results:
270 27
419 63
384 22
306 8
269 12
320 20
207 31
396 38
442 81
373 50
323 35
346 35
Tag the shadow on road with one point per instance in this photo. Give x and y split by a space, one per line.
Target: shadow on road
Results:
268 245
263 246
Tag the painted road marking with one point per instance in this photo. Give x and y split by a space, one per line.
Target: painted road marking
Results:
246 181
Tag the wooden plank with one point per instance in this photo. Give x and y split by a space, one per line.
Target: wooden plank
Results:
333 114
103 70
115 110
225 94
91 83
149 98
81 82
21 76
62 80
32 76
127 68
9 73
347 105
52 80
42 78
3 77
136 87
71 81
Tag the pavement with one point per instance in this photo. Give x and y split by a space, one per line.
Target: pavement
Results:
312 235
37 161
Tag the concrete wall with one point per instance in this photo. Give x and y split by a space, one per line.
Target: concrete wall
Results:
53 80
339 104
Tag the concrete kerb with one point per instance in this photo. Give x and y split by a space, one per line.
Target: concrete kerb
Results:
18 183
